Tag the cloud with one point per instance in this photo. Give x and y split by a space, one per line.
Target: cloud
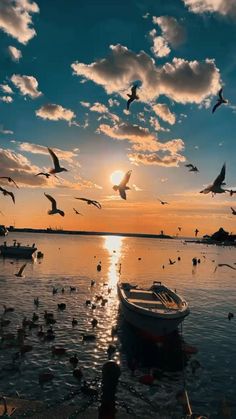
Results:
156 125
164 113
55 112
85 104
173 33
16 19
5 131
136 188
160 46
146 15
113 102
27 85
6 89
223 7
99 107
66 155
181 80
6 99
14 53
155 159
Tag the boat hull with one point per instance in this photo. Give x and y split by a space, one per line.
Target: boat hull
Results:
17 252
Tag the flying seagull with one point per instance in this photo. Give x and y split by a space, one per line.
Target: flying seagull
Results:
90 202
19 274
192 168
224 264
122 187
10 180
54 209
163 202
216 186
133 95
233 211
77 212
47 175
171 262
57 167
220 101
5 192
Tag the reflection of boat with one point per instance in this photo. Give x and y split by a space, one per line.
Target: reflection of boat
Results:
17 251
156 311
3 230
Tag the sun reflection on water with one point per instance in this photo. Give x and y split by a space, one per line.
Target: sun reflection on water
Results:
114 245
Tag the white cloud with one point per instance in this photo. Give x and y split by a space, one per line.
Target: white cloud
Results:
172 31
14 53
6 89
155 159
28 85
160 47
156 125
16 19
99 108
136 188
113 102
55 112
223 7
146 15
181 80
67 155
5 131
85 104
164 113
6 99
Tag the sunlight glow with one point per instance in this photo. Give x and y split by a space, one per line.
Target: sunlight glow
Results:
113 244
116 177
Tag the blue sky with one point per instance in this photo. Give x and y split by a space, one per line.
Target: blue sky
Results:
187 87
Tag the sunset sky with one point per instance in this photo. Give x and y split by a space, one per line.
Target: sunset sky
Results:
65 71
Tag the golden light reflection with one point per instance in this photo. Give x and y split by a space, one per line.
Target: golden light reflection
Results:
113 244
116 177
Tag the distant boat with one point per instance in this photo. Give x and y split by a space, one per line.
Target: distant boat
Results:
3 230
156 311
17 251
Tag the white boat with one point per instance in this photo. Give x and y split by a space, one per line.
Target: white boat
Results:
17 250
156 311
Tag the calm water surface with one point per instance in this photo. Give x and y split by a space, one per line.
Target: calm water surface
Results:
71 261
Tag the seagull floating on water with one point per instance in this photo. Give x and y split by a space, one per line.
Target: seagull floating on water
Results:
133 95
19 274
163 202
220 100
10 180
196 232
192 168
122 187
57 167
5 193
216 186
90 202
54 209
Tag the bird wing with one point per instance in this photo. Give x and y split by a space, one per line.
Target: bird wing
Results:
226 264
83 199
220 94
54 158
53 201
233 211
207 189
122 193
220 179
134 89
97 204
129 102
125 179
21 269
189 165
12 180
216 106
12 196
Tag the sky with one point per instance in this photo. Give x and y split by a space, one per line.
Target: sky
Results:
65 73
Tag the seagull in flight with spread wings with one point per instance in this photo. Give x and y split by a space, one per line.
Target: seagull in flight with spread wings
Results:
10 180
192 168
122 187
133 96
54 209
19 274
216 186
77 212
220 101
224 264
5 192
90 202
57 167
163 202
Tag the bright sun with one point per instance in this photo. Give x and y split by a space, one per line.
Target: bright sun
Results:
116 177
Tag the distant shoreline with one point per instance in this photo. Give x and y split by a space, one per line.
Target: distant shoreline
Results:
88 233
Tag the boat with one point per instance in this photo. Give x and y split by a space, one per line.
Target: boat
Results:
156 311
17 250
3 230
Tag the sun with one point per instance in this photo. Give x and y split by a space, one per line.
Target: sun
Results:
116 177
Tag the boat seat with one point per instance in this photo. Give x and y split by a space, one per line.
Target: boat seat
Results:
147 302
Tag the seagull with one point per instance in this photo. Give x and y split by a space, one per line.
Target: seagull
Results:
77 212
179 228
171 262
196 232
224 264
215 187
192 168
133 95
233 211
220 100
54 209
122 188
57 167
10 180
163 202
47 175
91 202
5 192
19 274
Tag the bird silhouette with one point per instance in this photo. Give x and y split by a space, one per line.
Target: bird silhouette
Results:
233 211
196 232
54 209
77 212
163 202
10 180
47 175
122 187
133 96
5 193
216 186
57 167
224 264
221 100
192 168
171 262
19 274
90 202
